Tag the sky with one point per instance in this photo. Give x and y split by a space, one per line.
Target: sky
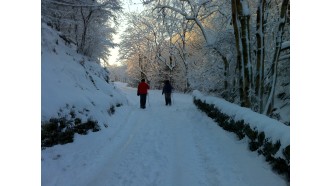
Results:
161 145
129 6
21 94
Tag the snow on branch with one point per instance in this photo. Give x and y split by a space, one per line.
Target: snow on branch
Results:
72 4
193 17
285 45
115 4
174 9
245 7
285 57
145 2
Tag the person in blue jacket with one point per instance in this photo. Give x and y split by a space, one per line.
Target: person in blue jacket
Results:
167 90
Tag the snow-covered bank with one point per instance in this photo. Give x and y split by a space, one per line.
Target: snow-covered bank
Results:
71 83
272 128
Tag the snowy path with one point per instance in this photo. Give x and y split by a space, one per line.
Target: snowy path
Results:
166 146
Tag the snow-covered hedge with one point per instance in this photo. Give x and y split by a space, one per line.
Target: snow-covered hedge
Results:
273 129
268 137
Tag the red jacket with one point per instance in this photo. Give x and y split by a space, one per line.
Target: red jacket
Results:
143 88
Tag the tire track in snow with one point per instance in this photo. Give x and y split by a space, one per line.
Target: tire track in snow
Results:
137 165
167 146
156 145
177 146
119 144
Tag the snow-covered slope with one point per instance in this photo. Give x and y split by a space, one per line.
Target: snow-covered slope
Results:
72 83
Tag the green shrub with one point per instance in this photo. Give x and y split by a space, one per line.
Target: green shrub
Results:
53 133
253 145
251 134
286 153
239 129
220 118
72 113
77 121
280 166
111 110
269 148
66 137
261 138
61 131
83 128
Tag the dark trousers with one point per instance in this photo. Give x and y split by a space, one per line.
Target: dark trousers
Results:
143 99
168 100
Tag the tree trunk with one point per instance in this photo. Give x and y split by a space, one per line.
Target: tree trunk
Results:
183 38
226 65
238 48
86 19
259 81
225 61
246 59
142 67
242 38
270 102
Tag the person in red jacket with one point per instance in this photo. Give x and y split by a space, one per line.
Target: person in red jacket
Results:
142 91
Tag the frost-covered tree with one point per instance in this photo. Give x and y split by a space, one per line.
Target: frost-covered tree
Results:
88 24
237 49
141 47
118 73
279 44
241 22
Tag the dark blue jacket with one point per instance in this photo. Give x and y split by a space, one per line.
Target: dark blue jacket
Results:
167 88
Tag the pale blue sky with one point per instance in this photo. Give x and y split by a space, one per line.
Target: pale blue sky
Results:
129 6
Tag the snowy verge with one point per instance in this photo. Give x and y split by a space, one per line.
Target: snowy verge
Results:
267 136
273 129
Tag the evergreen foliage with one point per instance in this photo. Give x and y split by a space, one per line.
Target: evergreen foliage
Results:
83 128
286 153
251 134
54 132
61 131
111 110
270 149
253 145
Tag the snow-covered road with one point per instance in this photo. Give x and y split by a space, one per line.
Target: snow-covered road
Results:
158 146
